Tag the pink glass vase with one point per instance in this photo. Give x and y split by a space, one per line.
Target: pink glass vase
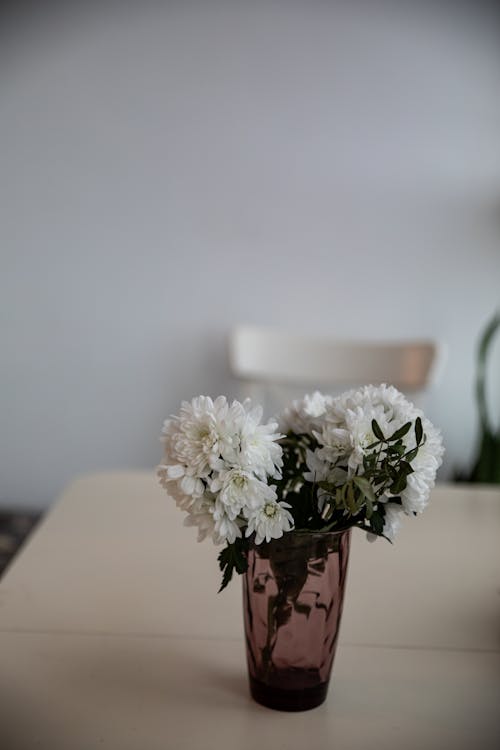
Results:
293 593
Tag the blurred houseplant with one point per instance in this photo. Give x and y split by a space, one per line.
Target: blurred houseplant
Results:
487 464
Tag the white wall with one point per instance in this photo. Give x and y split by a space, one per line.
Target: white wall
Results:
169 170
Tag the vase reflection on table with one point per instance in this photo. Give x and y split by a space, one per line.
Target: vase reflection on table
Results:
293 593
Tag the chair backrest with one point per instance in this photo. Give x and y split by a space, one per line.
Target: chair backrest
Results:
268 357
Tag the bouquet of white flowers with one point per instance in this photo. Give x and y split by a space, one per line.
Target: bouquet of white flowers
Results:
362 459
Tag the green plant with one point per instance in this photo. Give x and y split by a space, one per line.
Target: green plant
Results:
487 464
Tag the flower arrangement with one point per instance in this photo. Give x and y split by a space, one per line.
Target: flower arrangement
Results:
363 459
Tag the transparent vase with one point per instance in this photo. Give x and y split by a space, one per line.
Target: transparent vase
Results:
293 594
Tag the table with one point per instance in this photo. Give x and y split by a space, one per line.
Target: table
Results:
112 634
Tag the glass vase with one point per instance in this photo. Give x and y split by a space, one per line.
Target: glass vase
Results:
293 593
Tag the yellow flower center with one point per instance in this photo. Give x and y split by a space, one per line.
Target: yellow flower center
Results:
239 481
270 509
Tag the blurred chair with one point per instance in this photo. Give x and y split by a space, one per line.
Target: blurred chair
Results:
274 367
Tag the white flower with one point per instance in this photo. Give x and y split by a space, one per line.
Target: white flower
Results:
347 430
217 461
209 435
182 486
359 427
226 529
238 489
320 470
425 465
346 435
305 415
201 515
335 442
258 450
219 458
196 438
269 521
393 516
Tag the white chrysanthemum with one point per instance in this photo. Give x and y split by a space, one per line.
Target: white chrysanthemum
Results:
226 529
359 425
321 470
383 400
182 486
217 460
347 434
257 450
305 415
238 489
201 515
197 438
269 521
209 516
335 442
425 465
393 517
347 430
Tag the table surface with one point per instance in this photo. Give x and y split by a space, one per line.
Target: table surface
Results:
112 633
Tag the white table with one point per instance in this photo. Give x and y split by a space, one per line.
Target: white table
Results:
112 634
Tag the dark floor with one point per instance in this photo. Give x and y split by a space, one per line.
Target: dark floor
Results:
15 527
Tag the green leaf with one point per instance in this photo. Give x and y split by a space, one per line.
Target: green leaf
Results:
405 467
377 522
369 508
392 472
401 432
411 455
365 487
398 449
338 498
419 431
399 485
351 500
327 486
233 557
376 430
